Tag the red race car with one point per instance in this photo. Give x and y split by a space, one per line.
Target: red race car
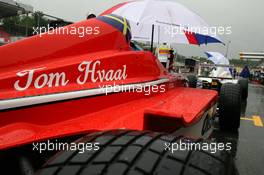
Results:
98 104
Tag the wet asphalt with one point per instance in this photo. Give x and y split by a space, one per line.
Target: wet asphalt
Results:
248 143
250 147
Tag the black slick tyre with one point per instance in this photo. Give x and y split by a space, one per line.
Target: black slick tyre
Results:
139 153
229 107
244 88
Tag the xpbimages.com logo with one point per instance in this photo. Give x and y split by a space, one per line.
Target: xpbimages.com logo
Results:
80 31
61 146
174 31
146 89
185 145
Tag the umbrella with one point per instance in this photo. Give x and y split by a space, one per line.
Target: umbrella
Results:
218 58
163 21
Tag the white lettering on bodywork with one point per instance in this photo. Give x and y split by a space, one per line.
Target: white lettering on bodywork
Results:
50 80
89 68
89 72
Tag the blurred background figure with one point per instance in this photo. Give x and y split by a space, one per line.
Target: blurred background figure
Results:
171 60
234 72
245 73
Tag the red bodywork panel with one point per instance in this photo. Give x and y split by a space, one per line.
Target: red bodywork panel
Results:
36 105
122 110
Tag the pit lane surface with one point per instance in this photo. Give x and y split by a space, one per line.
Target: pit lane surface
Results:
248 144
250 152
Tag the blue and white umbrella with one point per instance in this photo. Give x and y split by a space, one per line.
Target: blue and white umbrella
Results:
220 59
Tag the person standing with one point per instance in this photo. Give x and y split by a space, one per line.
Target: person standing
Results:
234 72
171 60
245 73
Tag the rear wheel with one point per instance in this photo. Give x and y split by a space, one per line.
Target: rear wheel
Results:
192 81
230 107
244 88
140 153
